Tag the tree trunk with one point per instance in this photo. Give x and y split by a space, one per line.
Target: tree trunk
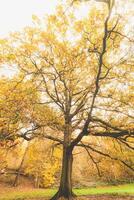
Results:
15 183
65 189
36 181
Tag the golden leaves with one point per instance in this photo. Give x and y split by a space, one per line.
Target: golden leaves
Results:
16 100
36 20
41 164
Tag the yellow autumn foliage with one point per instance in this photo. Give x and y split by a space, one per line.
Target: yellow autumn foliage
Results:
42 163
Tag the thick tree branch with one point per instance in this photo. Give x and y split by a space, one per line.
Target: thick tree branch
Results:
106 155
100 65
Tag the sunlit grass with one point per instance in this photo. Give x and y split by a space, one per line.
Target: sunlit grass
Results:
35 193
127 189
121 189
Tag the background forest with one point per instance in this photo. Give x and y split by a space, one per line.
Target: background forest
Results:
38 164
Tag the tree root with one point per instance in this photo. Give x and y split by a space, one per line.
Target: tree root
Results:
60 196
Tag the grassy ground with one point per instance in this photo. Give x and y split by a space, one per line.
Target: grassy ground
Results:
20 194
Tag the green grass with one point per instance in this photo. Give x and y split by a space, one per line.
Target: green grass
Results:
127 189
121 190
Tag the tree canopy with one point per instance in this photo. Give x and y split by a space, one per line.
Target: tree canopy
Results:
82 72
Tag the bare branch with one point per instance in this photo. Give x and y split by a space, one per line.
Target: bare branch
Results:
106 155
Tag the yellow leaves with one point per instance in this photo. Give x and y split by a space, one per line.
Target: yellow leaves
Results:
35 19
11 57
3 162
29 48
58 23
47 116
79 26
3 41
91 27
52 18
73 3
41 164
16 100
48 39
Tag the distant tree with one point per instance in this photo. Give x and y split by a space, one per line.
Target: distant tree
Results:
83 69
16 107
42 162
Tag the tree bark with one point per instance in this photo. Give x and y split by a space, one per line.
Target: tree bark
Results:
15 183
65 189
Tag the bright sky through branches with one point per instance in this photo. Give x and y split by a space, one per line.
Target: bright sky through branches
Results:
16 14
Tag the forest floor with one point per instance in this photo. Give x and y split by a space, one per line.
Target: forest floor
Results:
100 197
119 192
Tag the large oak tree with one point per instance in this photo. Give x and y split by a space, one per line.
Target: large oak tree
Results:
83 69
